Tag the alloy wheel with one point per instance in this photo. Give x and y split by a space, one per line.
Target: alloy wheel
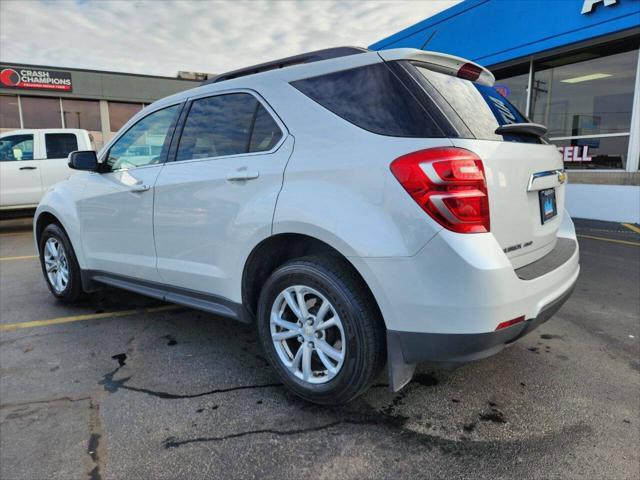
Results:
56 264
307 334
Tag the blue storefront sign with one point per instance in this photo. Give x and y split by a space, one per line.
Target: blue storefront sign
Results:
495 31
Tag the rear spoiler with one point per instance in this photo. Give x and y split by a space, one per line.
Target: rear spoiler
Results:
443 63
533 129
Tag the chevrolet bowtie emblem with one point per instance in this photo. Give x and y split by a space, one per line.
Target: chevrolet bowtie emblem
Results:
562 177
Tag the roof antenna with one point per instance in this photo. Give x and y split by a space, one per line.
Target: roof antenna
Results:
428 40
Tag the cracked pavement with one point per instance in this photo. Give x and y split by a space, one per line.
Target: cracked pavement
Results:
184 394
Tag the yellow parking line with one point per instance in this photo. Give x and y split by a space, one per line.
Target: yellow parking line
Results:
7 327
16 234
23 257
612 240
631 227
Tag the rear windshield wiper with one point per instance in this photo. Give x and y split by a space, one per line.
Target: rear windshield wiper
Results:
533 129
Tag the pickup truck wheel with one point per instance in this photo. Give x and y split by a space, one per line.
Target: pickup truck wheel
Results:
59 264
320 330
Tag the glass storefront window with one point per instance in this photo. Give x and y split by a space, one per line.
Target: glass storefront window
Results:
602 153
82 114
120 113
588 97
585 99
9 112
41 112
514 89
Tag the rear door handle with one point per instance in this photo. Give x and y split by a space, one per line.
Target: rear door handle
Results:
28 168
240 175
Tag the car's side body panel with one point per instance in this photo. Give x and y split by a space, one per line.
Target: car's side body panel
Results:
61 201
117 222
338 187
205 222
20 184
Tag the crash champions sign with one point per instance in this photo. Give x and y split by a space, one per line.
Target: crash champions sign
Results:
35 79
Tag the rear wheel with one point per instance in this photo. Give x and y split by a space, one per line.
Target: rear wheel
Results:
321 330
59 264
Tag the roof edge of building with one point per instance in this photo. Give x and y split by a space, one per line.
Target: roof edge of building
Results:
88 70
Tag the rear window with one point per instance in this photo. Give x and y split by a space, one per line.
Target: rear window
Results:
372 98
481 108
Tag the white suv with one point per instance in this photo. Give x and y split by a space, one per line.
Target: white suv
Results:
359 207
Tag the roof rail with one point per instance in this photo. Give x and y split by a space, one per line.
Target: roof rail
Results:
310 57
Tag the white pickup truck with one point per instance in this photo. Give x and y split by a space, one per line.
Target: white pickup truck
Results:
33 160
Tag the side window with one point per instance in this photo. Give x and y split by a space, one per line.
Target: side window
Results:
59 145
146 143
372 98
16 147
266 132
217 126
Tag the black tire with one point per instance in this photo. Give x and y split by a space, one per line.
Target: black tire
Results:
363 327
72 291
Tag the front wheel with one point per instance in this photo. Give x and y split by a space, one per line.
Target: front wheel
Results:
321 330
59 264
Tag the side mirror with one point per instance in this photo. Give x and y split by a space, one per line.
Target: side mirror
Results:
83 160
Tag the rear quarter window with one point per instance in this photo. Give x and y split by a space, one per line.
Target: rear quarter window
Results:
372 98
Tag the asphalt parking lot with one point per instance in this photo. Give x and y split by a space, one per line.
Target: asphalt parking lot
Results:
124 387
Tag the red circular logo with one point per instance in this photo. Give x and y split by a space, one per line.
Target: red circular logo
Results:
9 77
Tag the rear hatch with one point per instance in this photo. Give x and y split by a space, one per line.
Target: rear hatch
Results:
525 178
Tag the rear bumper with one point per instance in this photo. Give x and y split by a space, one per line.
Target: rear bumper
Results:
416 347
465 284
445 303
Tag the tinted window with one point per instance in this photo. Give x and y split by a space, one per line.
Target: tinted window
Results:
266 132
39 112
217 126
9 112
120 113
145 143
16 147
81 114
60 144
480 107
372 98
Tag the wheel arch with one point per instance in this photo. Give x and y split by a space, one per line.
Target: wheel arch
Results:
45 216
43 220
278 249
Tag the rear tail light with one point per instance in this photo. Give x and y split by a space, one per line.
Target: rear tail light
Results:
469 71
449 184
